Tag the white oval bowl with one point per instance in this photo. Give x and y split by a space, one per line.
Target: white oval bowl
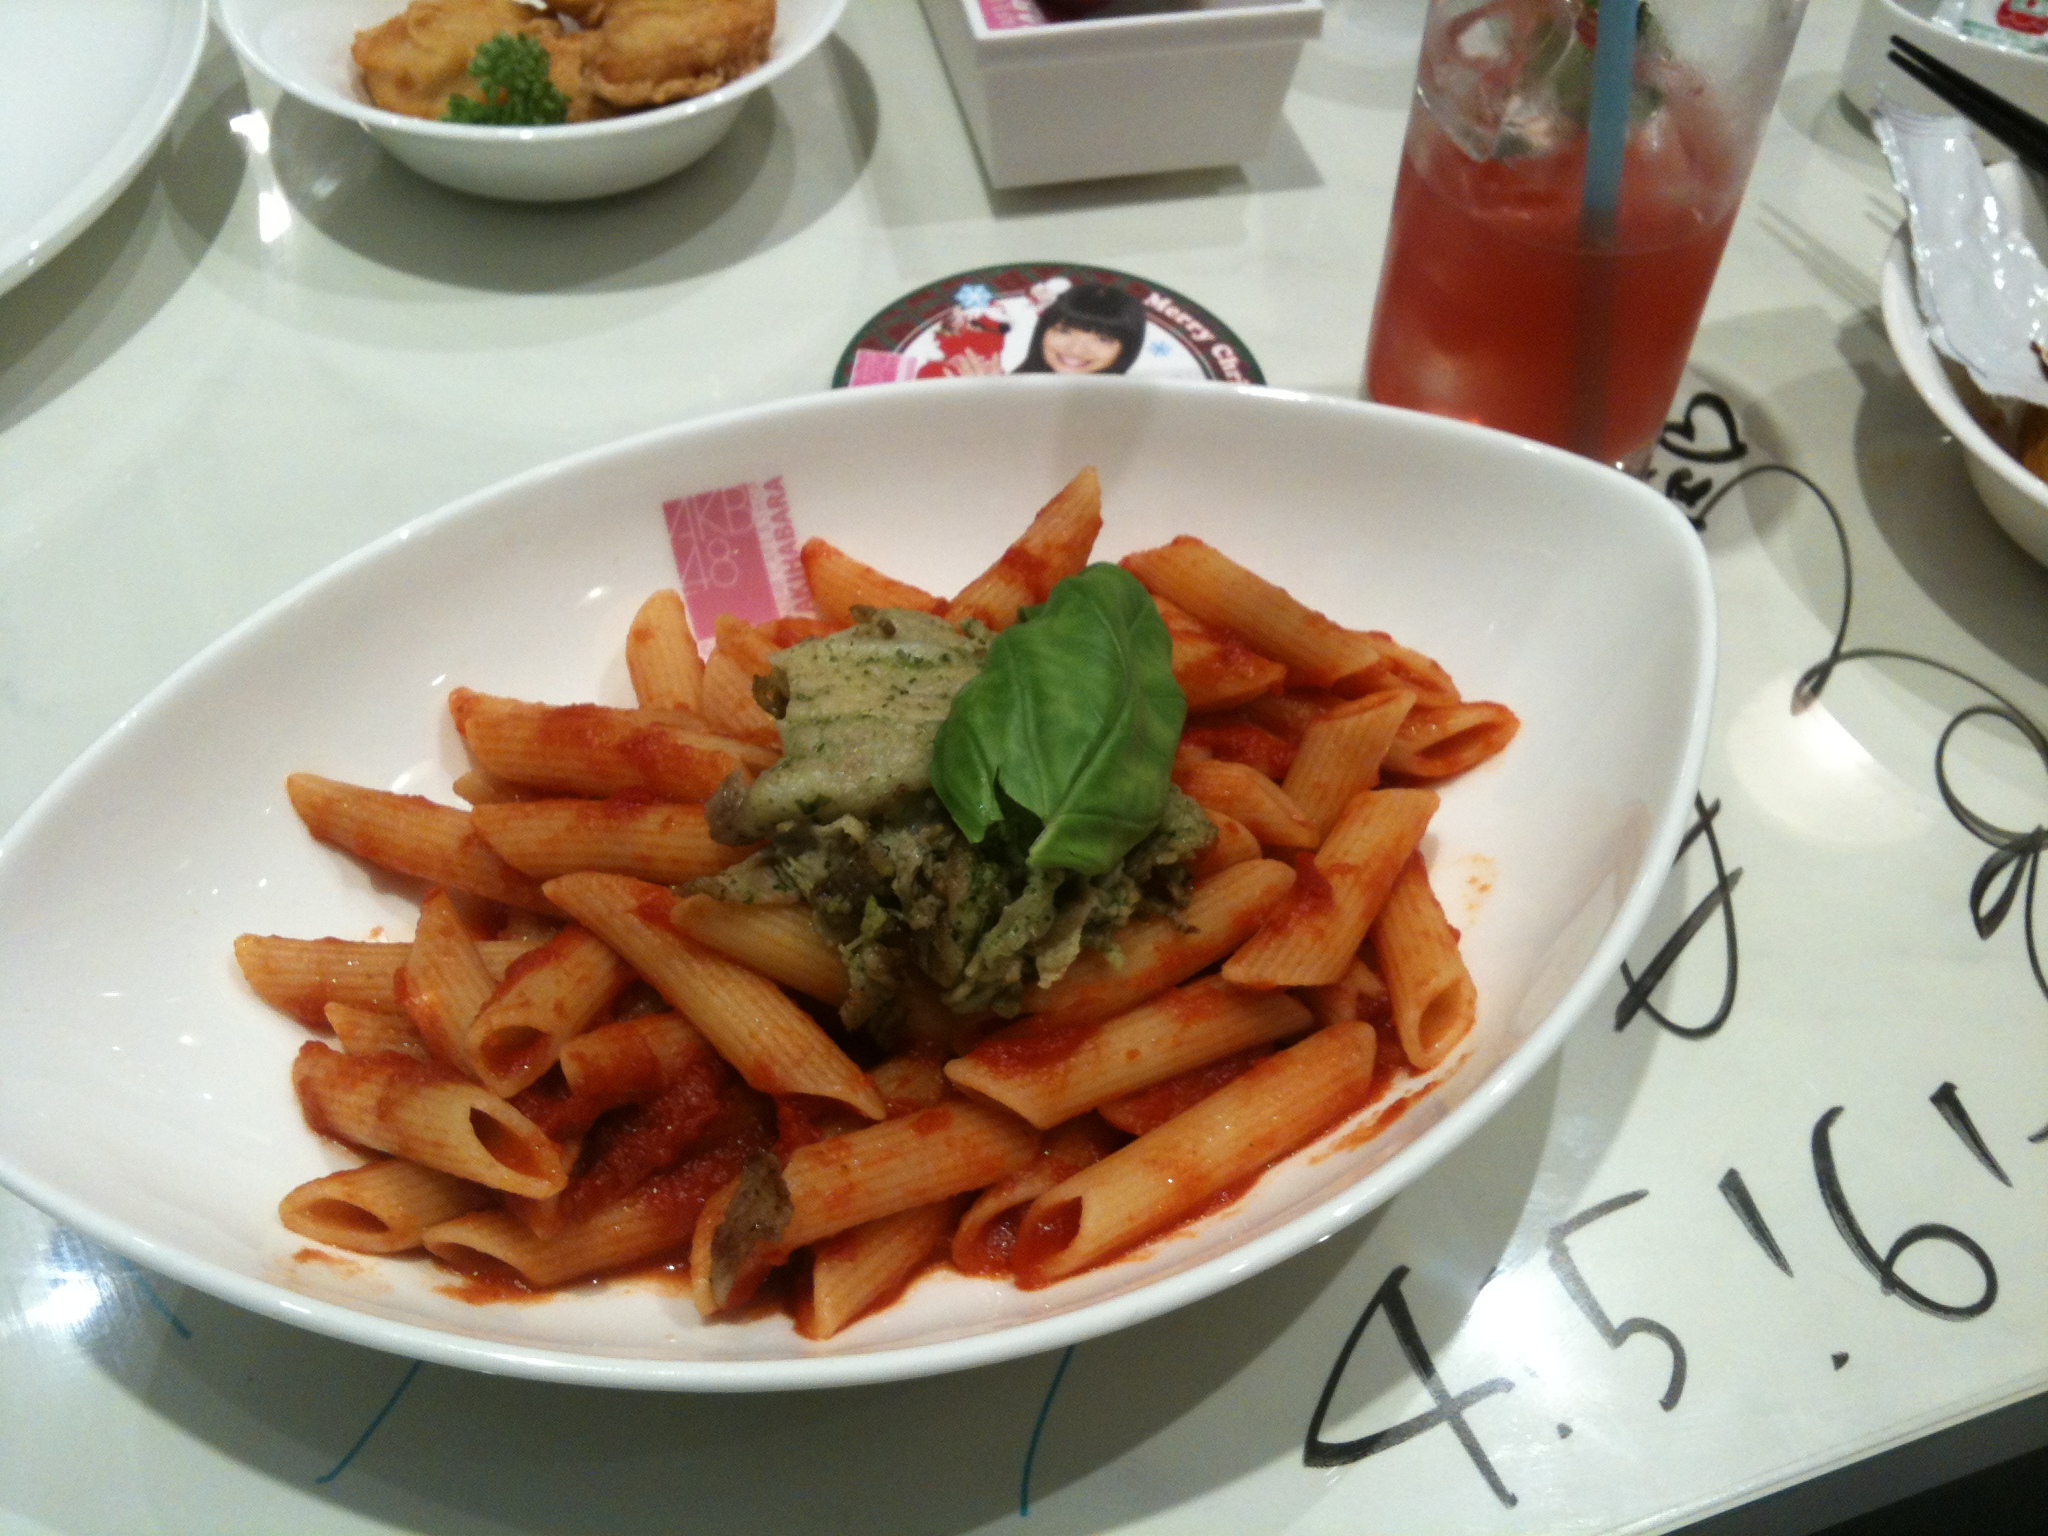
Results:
302 46
2016 499
147 1100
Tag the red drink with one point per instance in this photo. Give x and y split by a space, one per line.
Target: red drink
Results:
1492 308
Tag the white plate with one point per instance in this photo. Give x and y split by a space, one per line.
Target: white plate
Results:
146 1099
90 92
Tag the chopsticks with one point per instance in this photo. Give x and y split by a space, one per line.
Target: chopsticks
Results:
2019 130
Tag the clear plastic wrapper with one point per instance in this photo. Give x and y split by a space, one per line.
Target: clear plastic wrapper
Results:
1982 288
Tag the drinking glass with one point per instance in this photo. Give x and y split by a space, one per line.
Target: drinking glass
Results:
1563 200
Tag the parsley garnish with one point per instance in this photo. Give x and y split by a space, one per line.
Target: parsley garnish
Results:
513 71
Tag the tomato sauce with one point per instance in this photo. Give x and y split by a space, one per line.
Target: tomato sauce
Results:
1021 1050
1243 742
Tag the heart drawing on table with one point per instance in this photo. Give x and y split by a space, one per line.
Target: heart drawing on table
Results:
1722 441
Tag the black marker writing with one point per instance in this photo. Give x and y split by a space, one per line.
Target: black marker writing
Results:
1722 442
1637 998
1736 1193
1949 1104
1885 1266
1448 1408
1616 1334
1681 487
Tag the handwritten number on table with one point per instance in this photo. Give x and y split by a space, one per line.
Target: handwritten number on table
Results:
1885 1266
1720 899
1566 1268
1448 1408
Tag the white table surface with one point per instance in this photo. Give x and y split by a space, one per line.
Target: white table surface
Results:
279 344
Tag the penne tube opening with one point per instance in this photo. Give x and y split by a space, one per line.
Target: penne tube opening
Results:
519 1149
343 1217
381 1207
509 1051
1044 1235
1444 1019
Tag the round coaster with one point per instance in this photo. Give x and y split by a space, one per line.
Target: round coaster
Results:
1044 317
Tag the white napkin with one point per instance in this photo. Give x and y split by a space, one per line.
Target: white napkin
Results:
1983 291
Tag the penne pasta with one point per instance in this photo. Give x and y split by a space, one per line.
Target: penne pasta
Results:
782 943
587 749
1311 938
1049 1076
366 1031
772 1043
1216 589
1429 990
411 836
1234 845
839 584
543 1120
631 1060
426 1113
1441 741
1287 715
381 1207
661 654
547 999
1158 952
1054 547
647 839
857 1271
302 976
744 655
1357 994
443 983
1340 754
1244 794
481 788
1214 668
846 1181
985 1241
1278 1106
1149 1108
657 1218
1401 668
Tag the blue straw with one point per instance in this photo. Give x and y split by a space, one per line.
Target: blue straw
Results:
1614 56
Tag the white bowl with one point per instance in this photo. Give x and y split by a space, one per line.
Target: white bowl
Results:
1108 95
302 46
1868 77
2016 499
146 1098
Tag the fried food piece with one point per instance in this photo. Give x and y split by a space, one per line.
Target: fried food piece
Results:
2033 440
569 70
417 60
645 53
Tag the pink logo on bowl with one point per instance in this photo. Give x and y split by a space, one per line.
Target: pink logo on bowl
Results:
1003 15
873 367
737 552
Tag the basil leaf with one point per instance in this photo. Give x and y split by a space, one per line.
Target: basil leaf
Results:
1075 718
